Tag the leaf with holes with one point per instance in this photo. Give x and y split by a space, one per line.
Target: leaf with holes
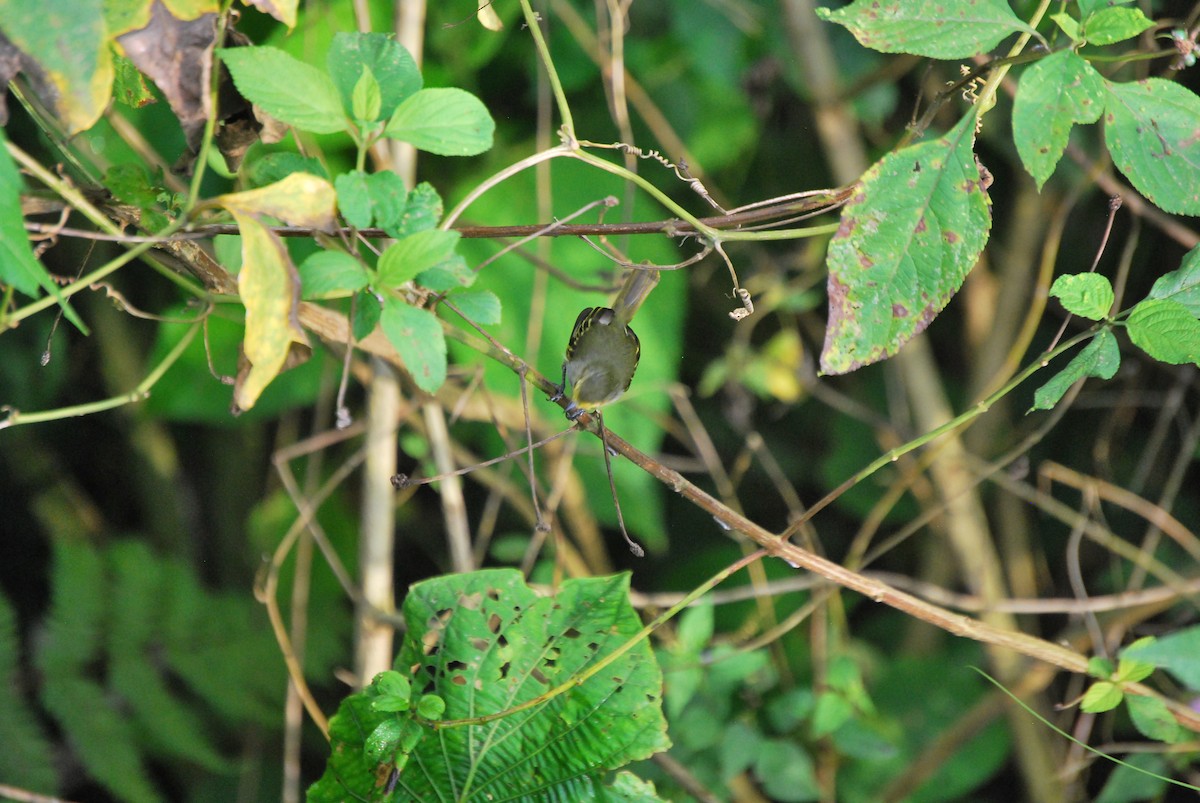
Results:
485 643
908 237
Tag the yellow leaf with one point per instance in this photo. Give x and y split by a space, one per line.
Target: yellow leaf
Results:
282 10
488 17
300 200
270 288
191 9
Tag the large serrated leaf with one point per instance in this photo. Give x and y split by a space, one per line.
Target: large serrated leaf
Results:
933 28
1152 129
1055 94
485 642
447 122
910 234
1111 25
1166 331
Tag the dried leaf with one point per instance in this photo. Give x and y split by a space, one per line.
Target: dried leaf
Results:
270 289
300 199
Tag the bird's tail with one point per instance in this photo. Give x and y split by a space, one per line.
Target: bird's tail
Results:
638 284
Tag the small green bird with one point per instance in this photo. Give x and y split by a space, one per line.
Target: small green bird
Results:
603 352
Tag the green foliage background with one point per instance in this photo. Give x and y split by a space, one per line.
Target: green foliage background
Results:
130 540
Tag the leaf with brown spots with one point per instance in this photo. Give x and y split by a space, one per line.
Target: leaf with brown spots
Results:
910 234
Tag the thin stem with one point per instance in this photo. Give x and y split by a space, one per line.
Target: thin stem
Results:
533 22
140 393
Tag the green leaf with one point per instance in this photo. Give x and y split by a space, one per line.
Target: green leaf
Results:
366 314
331 274
1089 7
1150 130
480 306
129 85
384 740
739 748
833 710
68 40
1178 653
931 28
1100 697
909 235
1154 720
1133 671
417 337
392 683
388 198
447 122
286 88
1100 358
1135 780
1165 330
1088 295
1182 285
396 74
422 211
1054 94
786 772
19 268
391 702
365 100
1100 668
27 757
277 166
485 642
103 739
695 629
404 259
1068 25
354 199
1110 25
449 274
431 706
